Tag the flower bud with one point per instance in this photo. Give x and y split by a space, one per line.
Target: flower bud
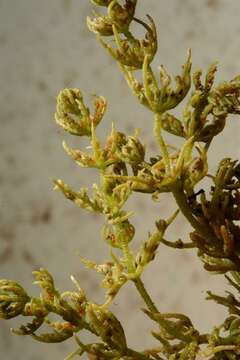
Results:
107 326
100 105
172 125
13 299
227 173
72 114
45 280
100 25
196 170
128 149
118 234
121 16
164 97
212 128
35 307
131 52
133 151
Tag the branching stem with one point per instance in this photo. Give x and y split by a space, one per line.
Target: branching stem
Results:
145 296
161 142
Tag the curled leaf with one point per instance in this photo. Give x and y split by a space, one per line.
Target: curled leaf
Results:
13 299
73 115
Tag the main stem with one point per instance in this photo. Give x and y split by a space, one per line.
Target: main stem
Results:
158 136
138 282
145 295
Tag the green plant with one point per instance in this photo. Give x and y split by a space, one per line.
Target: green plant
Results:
123 170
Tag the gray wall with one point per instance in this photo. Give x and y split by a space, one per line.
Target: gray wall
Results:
44 47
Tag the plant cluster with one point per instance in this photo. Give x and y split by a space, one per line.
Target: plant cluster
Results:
123 169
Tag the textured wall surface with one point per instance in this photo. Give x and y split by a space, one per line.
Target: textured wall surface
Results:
44 47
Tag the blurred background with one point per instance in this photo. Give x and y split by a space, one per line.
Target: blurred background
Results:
45 46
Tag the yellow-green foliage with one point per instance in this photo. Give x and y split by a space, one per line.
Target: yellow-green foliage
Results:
123 169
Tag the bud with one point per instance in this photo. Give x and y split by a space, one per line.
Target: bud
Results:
211 106
13 299
165 97
107 326
227 173
120 195
225 98
100 105
75 299
170 98
131 51
35 307
133 151
172 125
128 149
121 16
100 25
45 280
118 234
72 114
148 251
196 170
212 128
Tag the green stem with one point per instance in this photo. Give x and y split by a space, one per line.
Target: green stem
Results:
128 258
138 282
161 142
145 296
136 354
